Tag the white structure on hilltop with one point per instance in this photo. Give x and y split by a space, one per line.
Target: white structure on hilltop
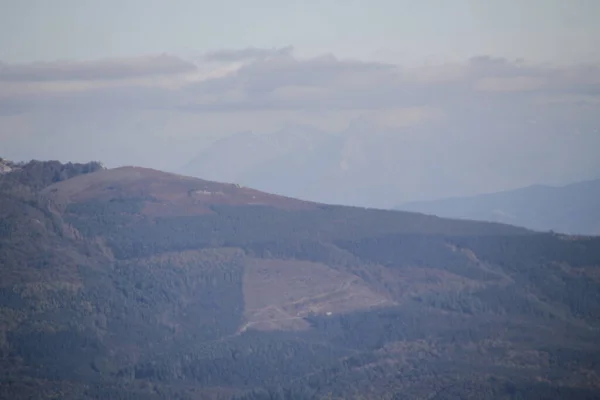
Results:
5 166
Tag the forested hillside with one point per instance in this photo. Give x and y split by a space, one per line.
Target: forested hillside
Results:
136 284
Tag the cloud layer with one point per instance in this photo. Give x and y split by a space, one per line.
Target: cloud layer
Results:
95 70
247 54
484 113
262 79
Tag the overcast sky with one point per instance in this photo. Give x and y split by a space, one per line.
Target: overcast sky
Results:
410 31
153 82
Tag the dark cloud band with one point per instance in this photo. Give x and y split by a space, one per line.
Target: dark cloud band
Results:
95 70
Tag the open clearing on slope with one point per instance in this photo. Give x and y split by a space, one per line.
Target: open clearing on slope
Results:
279 293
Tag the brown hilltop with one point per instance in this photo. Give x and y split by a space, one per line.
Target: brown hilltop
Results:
164 193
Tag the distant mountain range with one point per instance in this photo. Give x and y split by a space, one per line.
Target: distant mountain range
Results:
370 166
573 209
359 166
299 161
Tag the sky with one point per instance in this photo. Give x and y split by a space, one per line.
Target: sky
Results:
504 93
410 31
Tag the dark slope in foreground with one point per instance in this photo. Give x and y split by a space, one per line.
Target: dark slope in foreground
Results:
572 209
132 283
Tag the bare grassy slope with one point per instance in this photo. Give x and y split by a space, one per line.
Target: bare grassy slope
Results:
281 293
163 193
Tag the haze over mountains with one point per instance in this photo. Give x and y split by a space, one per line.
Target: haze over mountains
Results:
322 128
132 283
573 209
367 165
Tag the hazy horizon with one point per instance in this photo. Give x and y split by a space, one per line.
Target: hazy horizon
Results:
371 103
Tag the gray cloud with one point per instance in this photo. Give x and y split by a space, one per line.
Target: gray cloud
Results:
287 83
95 70
326 82
499 67
250 53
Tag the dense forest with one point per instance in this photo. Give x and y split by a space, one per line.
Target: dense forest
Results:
101 298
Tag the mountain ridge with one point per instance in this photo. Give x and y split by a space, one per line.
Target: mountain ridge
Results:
126 283
570 208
